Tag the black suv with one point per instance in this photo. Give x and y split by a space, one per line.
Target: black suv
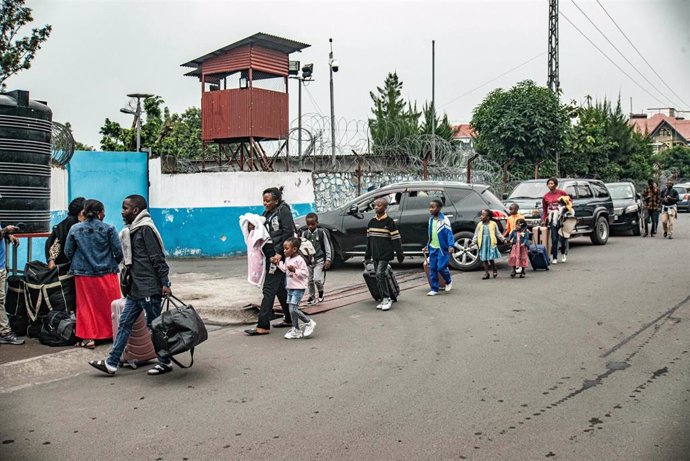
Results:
591 201
627 208
409 207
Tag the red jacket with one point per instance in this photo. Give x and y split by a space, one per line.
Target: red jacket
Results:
550 201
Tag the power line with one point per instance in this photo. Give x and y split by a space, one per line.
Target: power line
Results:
313 101
620 52
610 60
494 79
643 58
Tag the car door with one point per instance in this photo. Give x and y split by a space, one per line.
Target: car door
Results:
355 225
586 202
413 224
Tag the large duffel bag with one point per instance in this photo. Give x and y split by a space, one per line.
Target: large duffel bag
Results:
58 329
48 289
15 305
177 330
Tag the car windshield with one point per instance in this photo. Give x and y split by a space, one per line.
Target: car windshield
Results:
529 190
681 189
620 191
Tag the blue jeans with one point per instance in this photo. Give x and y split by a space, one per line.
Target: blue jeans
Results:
133 307
438 264
294 297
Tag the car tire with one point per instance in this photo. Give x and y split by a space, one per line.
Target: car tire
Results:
600 234
637 230
465 258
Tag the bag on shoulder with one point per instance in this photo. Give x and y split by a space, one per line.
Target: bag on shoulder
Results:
177 330
307 250
58 329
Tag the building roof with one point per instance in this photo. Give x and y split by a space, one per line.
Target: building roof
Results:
272 42
651 124
463 131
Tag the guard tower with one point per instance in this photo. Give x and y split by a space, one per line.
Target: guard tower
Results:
244 96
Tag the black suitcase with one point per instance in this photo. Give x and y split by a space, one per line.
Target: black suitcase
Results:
370 278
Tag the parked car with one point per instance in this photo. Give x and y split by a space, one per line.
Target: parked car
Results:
627 209
683 196
409 207
591 201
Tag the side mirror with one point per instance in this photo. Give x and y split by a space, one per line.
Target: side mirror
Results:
353 210
638 196
505 196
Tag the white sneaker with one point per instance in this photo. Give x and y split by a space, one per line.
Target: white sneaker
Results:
309 328
293 334
563 259
380 305
432 293
387 303
554 261
449 286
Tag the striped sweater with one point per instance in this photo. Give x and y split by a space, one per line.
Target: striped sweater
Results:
383 239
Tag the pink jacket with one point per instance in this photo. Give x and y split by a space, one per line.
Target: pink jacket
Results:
299 279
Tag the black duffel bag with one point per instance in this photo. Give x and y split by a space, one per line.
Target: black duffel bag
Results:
177 330
15 305
48 289
58 329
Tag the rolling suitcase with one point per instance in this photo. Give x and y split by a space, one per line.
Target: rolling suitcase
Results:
139 348
441 282
538 257
370 279
540 236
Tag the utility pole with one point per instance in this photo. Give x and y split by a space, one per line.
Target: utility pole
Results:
137 114
332 67
553 81
433 100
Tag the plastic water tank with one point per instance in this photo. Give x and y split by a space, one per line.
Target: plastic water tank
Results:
25 130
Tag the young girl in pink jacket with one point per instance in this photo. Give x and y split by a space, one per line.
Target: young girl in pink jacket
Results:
297 273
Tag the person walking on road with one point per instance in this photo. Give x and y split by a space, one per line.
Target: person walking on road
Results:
650 200
144 258
669 208
383 240
513 217
439 247
7 336
520 239
486 238
323 258
55 244
549 215
280 226
95 251
297 272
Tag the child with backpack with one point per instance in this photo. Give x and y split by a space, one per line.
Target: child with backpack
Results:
323 258
297 275
519 252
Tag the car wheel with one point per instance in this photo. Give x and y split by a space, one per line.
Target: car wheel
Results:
465 258
637 230
600 235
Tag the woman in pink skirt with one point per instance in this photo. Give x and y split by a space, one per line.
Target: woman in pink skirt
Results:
520 239
95 251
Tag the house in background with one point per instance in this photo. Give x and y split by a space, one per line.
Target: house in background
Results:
464 134
664 126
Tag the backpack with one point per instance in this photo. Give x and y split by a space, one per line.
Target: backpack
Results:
306 249
58 329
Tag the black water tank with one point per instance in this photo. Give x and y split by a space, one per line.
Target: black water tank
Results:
25 130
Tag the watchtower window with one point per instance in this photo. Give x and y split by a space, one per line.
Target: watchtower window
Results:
269 82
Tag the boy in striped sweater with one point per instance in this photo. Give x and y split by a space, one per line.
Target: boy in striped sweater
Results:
383 240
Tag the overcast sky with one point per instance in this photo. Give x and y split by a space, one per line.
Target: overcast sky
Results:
101 50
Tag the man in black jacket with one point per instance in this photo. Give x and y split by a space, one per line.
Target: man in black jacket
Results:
669 208
280 226
145 259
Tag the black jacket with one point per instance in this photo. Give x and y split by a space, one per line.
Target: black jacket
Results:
59 234
280 226
672 195
149 269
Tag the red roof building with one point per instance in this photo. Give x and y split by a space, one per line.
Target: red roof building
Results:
664 130
464 133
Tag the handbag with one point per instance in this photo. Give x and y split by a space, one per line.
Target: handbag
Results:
177 330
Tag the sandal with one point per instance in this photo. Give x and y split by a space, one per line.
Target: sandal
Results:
159 369
100 365
254 332
87 344
522 274
486 276
513 274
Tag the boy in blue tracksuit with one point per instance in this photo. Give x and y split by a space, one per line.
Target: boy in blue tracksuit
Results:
439 247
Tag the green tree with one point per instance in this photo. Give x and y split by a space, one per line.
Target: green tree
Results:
676 160
116 138
77 145
394 119
16 53
443 128
526 123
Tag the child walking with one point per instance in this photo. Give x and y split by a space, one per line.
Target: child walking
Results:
323 258
439 247
297 275
486 238
519 253
513 217
383 239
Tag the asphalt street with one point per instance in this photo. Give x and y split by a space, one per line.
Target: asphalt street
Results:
590 360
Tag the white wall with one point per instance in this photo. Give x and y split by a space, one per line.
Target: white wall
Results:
58 189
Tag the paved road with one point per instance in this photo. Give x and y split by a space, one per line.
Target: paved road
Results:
588 361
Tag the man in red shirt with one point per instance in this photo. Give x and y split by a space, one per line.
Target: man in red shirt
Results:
549 215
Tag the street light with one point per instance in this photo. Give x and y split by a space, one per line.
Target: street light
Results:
136 113
333 66
307 70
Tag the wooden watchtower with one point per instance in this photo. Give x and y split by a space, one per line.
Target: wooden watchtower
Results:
244 96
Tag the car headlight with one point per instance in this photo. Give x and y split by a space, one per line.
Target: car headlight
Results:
618 211
631 209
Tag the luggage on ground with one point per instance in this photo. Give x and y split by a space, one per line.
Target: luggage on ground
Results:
15 305
58 329
178 330
541 236
139 348
441 281
48 289
538 257
370 279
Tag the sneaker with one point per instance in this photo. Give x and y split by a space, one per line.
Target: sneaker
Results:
386 304
379 305
432 293
554 261
293 333
321 297
159 369
564 258
311 301
11 338
449 286
309 328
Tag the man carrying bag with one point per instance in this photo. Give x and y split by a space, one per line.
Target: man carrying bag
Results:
177 330
144 284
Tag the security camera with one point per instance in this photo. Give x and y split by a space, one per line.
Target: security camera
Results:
335 66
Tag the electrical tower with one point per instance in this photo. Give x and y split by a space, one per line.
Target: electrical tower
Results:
553 83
